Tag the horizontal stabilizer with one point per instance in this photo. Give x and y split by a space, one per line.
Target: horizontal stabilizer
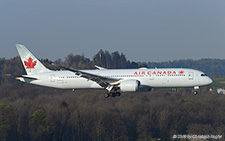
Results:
22 76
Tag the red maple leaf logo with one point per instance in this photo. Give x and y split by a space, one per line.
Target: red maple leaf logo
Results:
30 63
181 72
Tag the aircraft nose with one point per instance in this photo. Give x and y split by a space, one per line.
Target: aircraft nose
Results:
210 80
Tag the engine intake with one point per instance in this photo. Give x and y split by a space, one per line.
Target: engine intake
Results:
129 85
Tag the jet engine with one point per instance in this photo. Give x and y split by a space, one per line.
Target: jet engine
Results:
129 85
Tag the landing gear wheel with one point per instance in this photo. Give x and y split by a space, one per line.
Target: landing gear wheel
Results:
113 95
195 92
118 93
106 95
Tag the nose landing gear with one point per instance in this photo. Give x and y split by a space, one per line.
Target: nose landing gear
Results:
196 89
195 92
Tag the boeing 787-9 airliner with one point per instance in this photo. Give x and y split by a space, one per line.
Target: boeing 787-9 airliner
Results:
112 80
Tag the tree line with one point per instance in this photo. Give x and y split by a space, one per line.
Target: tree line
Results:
116 60
36 113
29 112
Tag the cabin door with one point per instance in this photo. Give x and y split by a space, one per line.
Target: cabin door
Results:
52 78
151 77
190 75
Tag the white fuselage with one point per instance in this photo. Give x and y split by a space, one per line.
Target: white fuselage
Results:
165 77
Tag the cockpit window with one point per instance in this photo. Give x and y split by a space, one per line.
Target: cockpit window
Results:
203 74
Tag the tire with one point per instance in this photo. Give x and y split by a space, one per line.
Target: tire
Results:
113 95
106 95
195 92
118 93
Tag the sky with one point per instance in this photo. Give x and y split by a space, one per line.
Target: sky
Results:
143 30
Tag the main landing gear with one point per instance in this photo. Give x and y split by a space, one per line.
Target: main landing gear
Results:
112 91
112 94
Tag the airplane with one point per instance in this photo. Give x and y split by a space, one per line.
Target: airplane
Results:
114 81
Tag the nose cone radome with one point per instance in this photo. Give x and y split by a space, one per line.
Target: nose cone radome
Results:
210 80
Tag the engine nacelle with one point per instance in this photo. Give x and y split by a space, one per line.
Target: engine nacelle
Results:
129 85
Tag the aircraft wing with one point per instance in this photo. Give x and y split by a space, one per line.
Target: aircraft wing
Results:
101 80
100 68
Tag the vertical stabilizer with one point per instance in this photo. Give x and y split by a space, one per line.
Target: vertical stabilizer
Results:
31 64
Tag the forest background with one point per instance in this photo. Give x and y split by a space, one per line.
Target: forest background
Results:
29 112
